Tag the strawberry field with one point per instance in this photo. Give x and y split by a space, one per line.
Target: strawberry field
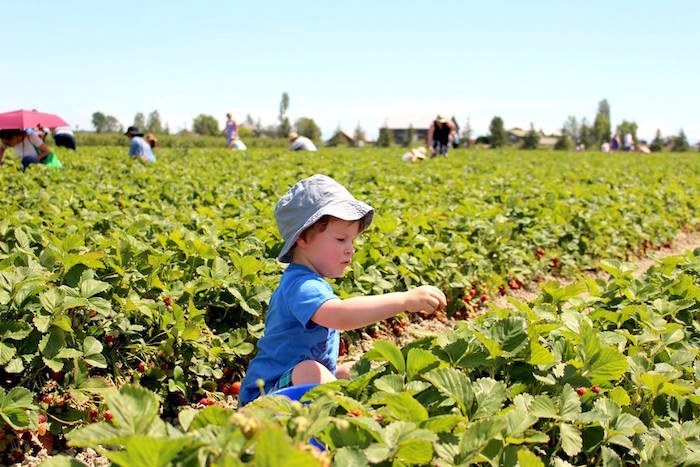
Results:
131 298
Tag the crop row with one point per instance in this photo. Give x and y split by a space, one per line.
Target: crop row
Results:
113 272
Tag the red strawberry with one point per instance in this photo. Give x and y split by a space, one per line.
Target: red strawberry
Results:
47 399
141 367
108 415
168 302
484 298
236 387
581 391
595 388
42 418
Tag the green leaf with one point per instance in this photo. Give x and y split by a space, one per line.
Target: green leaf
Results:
419 361
386 350
489 395
406 408
415 452
606 365
569 404
454 385
571 441
477 435
6 353
134 408
350 457
527 458
91 287
273 449
147 451
15 406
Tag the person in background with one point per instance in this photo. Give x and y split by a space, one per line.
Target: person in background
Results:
152 141
138 148
300 143
63 136
629 142
454 136
319 221
29 147
439 134
615 143
231 131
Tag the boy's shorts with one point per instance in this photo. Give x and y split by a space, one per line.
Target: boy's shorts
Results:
284 381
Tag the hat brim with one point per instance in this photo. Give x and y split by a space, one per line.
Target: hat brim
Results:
347 210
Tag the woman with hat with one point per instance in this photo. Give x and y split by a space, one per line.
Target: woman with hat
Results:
139 147
29 147
439 135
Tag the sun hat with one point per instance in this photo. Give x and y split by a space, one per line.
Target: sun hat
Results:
133 131
441 118
309 200
293 135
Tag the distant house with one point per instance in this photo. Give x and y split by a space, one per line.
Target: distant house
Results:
340 138
516 135
401 135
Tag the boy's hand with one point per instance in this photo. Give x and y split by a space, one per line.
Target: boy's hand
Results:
425 298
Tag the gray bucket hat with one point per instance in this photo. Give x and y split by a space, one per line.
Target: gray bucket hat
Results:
309 200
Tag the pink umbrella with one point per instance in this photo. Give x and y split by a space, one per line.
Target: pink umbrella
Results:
22 119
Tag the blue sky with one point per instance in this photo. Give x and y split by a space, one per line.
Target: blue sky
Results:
366 62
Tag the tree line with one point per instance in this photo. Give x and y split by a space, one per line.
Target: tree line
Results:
573 132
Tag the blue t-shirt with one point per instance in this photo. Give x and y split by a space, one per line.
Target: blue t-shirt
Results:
290 336
139 147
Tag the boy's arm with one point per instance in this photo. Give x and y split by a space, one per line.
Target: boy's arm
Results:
357 312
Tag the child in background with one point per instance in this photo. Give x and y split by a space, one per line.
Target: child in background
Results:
319 220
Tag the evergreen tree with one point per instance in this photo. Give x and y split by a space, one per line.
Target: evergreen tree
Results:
657 144
386 137
359 135
410 134
497 135
563 143
531 139
466 137
140 121
284 127
153 124
680 143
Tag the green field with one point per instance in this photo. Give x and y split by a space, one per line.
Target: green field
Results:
112 272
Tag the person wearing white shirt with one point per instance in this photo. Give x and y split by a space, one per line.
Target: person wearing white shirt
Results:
300 143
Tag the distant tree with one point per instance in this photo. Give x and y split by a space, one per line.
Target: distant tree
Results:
112 124
249 121
571 128
466 137
410 134
99 121
680 143
153 124
166 129
586 135
563 142
359 135
386 137
140 120
306 126
604 108
657 144
601 129
284 127
497 133
531 139
205 125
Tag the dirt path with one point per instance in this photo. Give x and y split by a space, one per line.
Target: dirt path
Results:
683 242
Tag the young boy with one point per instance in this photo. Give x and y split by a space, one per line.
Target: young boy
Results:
319 220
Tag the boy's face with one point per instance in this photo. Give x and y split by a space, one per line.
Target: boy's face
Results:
328 252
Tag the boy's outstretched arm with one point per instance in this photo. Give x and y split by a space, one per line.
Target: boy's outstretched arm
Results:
357 312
